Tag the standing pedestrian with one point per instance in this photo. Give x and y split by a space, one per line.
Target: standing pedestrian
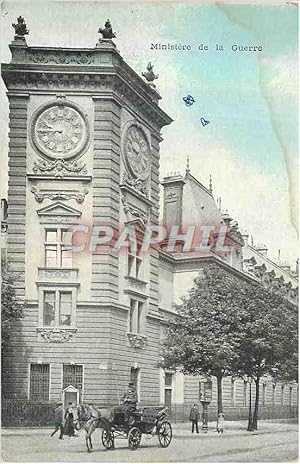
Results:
69 421
58 421
194 417
220 423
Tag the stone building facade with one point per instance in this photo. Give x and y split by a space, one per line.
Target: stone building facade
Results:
84 135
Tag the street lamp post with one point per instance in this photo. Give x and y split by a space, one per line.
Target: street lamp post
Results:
205 396
205 415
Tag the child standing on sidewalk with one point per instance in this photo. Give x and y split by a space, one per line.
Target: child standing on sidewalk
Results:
220 423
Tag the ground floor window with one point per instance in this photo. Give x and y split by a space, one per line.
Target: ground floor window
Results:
168 389
73 375
39 382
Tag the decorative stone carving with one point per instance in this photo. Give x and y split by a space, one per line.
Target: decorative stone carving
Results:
107 32
137 184
59 167
133 211
57 273
61 57
59 195
56 334
137 340
20 28
149 75
58 212
59 129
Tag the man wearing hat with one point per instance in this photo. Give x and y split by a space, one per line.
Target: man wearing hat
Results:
58 420
129 401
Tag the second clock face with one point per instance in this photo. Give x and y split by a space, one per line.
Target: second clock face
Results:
137 152
60 131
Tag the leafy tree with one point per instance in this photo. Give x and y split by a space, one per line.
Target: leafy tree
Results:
11 306
226 326
203 338
268 342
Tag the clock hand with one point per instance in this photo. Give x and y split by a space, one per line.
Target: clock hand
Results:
49 130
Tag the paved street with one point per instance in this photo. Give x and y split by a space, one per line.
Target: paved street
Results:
273 442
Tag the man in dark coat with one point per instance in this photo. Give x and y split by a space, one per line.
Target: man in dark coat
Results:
194 417
58 421
129 401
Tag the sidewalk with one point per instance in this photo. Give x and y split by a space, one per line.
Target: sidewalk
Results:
232 428
183 429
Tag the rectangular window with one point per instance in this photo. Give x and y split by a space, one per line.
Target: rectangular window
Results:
136 316
132 315
73 375
140 309
135 262
56 253
168 379
49 309
39 382
57 308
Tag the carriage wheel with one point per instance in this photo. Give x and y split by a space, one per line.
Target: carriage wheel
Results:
134 438
165 434
107 439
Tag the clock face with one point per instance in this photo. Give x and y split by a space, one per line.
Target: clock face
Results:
60 131
137 152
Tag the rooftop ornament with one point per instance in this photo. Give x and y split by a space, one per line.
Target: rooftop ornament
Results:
107 32
149 75
20 29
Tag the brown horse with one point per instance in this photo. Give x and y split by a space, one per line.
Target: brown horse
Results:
91 418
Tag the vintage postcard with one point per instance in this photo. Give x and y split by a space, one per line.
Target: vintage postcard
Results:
149 231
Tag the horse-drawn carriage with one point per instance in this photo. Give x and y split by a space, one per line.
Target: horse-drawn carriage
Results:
148 421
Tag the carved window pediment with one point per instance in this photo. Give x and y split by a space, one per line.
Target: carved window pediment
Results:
60 209
58 213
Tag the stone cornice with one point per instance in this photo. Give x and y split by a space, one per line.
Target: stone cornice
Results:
38 69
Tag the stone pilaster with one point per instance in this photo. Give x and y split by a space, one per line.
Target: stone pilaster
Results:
17 188
106 179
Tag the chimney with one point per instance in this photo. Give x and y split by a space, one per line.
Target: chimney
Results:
173 189
262 249
245 236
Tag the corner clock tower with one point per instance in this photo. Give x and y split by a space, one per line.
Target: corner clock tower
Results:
84 134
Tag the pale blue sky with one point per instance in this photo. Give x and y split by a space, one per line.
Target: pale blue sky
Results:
250 146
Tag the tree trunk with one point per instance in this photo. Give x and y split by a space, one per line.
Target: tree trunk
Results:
220 401
255 414
250 418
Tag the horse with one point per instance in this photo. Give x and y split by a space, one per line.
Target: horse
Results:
90 418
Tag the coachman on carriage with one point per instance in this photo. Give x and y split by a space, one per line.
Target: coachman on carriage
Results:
126 421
